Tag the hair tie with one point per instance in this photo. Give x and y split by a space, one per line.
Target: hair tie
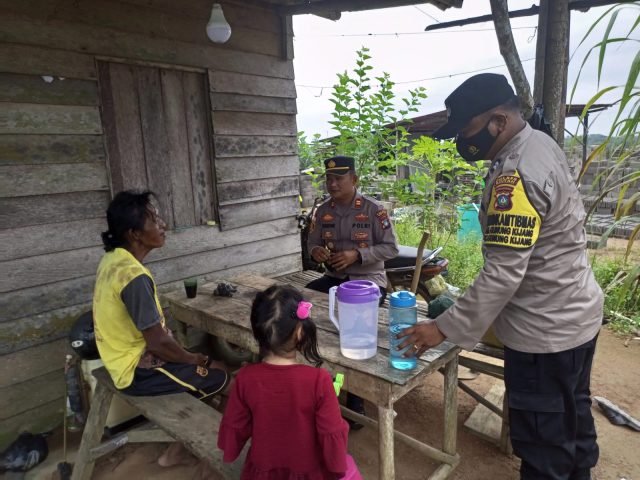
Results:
303 310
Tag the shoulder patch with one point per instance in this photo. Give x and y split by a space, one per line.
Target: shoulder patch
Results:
512 221
383 218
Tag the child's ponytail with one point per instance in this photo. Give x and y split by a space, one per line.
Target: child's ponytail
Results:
275 314
308 344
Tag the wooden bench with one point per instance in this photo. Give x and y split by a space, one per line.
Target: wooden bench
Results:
496 371
176 417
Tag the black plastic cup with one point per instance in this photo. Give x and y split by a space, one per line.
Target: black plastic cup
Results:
191 287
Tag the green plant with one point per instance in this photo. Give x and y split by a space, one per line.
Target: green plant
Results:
619 283
465 257
369 126
310 152
622 142
441 182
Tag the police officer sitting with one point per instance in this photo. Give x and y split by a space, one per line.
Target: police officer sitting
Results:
353 236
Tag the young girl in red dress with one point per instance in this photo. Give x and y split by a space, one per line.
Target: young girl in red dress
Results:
289 410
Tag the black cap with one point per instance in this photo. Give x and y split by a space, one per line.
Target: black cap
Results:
476 95
339 165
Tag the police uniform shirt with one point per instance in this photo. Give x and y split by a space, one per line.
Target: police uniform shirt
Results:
363 225
536 285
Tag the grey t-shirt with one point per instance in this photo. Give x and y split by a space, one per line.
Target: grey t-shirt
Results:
139 298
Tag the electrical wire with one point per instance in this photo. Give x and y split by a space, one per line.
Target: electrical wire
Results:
457 74
425 13
400 34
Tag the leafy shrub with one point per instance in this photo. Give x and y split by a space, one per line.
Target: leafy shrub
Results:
621 293
465 257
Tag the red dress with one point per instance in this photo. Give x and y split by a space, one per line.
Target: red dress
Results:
292 416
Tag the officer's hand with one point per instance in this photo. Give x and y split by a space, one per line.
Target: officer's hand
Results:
422 336
320 254
342 260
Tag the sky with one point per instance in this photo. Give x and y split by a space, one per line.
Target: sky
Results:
413 58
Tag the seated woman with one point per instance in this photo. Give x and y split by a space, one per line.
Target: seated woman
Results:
136 347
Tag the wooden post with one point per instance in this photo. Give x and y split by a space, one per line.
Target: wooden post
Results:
93 430
450 406
509 51
286 32
385 442
505 440
541 44
554 89
418 267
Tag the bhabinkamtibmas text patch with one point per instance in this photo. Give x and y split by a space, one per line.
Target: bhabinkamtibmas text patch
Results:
512 221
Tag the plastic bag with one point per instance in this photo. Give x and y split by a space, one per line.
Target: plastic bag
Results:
436 286
24 453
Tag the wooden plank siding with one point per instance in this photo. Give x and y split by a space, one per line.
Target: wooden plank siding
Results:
26 180
26 118
43 149
117 43
34 330
43 209
140 19
57 154
34 271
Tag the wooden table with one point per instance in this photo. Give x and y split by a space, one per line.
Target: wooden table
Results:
372 379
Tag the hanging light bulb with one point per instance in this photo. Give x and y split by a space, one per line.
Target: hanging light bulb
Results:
218 29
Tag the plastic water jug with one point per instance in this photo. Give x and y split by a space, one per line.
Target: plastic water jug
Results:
403 313
357 319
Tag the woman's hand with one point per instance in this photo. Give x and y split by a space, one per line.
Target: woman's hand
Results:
422 336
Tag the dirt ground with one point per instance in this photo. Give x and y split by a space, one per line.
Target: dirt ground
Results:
615 376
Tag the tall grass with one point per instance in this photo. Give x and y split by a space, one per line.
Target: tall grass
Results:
465 257
621 296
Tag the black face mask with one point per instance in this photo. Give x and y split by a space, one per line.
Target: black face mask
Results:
476 146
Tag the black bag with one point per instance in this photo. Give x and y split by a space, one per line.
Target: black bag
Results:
24 453
83 338
538 122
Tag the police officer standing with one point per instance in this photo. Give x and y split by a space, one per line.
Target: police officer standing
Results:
353 236
536 286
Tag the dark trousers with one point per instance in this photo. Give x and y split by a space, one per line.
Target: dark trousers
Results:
552 430
323 284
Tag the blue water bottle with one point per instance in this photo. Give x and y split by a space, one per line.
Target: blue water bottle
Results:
403 313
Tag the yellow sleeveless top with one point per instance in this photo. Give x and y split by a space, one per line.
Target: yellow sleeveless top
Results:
119 341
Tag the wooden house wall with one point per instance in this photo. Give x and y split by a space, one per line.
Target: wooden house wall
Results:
54 175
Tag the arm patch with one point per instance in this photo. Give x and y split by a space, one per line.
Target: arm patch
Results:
512 221
383 218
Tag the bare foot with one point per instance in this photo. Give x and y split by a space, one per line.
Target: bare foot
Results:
176 454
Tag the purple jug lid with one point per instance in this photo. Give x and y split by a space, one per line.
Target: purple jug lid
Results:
358 291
